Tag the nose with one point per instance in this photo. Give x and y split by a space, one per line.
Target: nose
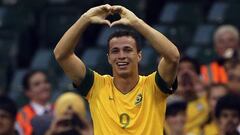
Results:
121 55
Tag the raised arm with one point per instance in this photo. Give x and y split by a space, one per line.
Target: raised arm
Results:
168 65
73 67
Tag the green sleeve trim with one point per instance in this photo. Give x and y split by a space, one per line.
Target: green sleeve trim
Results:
86 83
162 85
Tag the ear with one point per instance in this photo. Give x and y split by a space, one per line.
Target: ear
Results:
139 56
109 61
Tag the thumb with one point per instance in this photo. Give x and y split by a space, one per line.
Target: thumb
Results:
105 22
116 23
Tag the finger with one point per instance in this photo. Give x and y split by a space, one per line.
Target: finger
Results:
117 9
119 22
106 7
105 22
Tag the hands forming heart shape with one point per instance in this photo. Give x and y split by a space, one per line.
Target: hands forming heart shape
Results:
98 15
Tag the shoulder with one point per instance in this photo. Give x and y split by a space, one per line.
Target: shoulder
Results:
155 79
98 78
25 112
25 108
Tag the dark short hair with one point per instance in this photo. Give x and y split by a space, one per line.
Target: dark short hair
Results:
126 32
175 107
228 102
193 61
8 105
27 77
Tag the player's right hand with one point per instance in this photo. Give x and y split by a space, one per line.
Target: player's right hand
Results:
98 14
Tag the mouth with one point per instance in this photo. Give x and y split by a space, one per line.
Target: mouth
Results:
122 65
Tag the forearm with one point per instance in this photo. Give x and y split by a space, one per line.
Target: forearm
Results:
158 41
70 39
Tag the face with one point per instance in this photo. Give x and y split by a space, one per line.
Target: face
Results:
214 94
234 79
186 66
123 56
229 120
6 123
224 41
176 123
186 76
39 88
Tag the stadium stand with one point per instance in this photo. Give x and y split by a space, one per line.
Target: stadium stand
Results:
36 26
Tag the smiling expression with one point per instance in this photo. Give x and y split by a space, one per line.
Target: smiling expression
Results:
123 56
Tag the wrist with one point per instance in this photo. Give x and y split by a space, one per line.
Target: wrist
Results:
137 23
85 19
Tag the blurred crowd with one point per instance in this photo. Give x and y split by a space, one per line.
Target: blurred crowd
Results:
207 101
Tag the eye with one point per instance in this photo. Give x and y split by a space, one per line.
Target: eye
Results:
128 49
36 83
114 51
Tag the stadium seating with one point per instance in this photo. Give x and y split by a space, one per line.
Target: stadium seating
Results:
203 35
16 89
230 14
54 22
181 14
216 13
103 36
92 57
29 30
149 60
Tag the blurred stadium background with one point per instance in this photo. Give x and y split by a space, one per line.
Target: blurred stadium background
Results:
30 29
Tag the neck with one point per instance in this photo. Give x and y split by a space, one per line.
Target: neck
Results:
42 103
125 85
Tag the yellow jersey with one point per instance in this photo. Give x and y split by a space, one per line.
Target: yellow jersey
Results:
139 112
197 115
211 129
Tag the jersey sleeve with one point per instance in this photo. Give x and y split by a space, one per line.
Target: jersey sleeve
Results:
161 85
90 84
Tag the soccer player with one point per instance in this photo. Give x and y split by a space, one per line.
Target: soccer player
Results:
125 103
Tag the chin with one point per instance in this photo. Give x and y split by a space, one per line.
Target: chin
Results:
123 74
45 97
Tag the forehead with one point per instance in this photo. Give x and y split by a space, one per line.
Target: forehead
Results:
226 35
4 113
118 42
37 76
186 65
218 90
229 111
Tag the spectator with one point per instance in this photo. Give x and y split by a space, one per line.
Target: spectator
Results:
226 41
193 91
38 90
234 78
175 117
226 37
215 92
190 86
8 112
70 116
228 115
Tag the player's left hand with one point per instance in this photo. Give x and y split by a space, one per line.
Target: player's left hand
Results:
127 16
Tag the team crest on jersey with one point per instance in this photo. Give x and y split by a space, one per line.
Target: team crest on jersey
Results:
138 100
